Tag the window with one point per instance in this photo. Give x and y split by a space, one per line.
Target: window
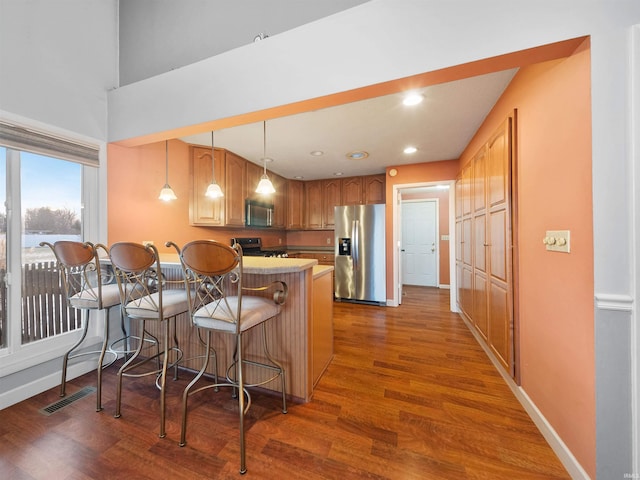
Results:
45 186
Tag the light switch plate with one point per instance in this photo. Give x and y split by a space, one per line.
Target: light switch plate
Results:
558 241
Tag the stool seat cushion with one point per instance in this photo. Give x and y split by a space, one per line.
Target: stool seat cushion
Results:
219 316
174 302
87 298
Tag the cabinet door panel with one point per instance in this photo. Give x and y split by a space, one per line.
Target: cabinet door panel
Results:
295 205
235 181
480 303
279 201
467 242
374 189
205 210
352 191
331 198
313 201
497 165
500 325
254 173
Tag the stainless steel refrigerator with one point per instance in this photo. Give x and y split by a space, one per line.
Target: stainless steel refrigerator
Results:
360 253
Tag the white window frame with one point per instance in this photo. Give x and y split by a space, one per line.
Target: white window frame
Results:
16 356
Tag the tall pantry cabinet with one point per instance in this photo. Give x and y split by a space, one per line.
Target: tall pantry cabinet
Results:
484 263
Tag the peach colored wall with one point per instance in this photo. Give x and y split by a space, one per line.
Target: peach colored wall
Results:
443 227
556 331
410 174
135 176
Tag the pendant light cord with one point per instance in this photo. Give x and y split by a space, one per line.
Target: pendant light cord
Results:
264 145
213 161
166 156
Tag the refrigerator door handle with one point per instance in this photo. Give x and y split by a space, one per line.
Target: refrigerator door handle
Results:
356 243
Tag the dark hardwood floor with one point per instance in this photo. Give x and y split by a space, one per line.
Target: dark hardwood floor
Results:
409 395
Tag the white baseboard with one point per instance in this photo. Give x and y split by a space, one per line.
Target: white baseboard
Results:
43 384
565 456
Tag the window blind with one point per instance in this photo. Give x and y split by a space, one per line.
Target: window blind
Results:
21 138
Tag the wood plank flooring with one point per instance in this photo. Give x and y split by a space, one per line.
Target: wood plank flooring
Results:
409 395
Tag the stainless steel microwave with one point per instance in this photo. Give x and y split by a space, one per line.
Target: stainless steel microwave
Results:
258 214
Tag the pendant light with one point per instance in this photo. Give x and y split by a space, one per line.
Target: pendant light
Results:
265 186
213 190
166 194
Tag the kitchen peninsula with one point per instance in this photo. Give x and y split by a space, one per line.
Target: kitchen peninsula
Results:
301 337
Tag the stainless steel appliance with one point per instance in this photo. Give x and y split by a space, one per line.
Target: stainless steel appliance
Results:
252 247
258 214
360 268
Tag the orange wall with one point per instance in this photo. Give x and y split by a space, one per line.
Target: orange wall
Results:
135 177
443 227
556 331
411 174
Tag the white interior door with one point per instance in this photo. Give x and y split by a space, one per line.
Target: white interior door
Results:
420 243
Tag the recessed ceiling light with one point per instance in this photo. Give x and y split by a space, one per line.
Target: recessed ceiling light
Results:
298 177
317 153
338 174
358 155
267 160
413 98
409 150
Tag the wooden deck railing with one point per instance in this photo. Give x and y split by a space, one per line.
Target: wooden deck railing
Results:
44 309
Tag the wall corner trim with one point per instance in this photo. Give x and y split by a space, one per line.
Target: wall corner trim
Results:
614 302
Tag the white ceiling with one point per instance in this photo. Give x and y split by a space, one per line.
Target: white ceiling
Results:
440 128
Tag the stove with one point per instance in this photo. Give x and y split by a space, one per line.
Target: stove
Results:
252 247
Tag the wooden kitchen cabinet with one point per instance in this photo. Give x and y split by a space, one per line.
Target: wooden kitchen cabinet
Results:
321 324
352 191
365 190
295 205
331 198
321 197
313 204
235 189
254 173
374 189
202 209
279 201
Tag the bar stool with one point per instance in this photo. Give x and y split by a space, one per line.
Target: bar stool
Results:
144 297
213 276
85 289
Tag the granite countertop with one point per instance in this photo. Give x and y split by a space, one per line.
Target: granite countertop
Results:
259 265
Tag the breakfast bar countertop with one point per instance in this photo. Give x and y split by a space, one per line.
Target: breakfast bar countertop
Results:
258 265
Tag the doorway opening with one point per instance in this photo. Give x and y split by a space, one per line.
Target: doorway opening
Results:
443 239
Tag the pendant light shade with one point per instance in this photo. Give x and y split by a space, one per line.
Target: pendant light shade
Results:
265 186
213 190
167 194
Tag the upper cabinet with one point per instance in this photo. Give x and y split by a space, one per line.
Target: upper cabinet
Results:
374 189
254 173
363 190
352 191
313 204
331 198
297 205
235 193
279 201
204 210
